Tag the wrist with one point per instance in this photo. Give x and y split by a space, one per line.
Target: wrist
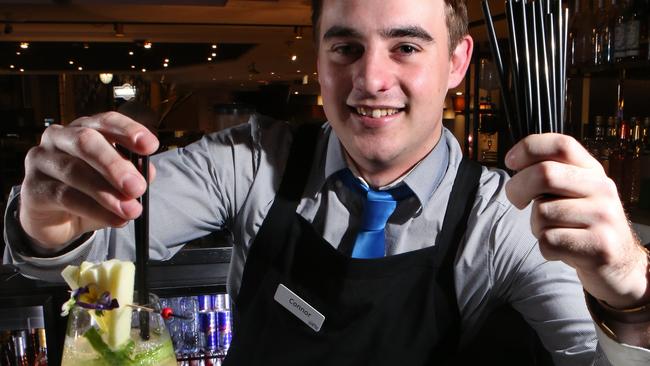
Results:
627 326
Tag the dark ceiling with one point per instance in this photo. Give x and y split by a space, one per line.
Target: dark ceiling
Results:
114 56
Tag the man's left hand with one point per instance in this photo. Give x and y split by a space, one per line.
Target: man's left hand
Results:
578 218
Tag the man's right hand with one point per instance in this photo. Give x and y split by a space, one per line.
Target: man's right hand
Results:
76 181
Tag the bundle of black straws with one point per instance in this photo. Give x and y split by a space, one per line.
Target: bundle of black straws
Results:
533 87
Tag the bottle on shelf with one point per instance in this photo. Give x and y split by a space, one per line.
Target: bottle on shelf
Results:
632 182
598 144
603 35
581 34
633 30
617 157
620 27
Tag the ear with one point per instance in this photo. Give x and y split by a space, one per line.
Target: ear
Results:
460 60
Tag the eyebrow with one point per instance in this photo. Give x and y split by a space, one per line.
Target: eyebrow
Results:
411 31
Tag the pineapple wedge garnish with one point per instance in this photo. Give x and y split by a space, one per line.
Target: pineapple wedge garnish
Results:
117 277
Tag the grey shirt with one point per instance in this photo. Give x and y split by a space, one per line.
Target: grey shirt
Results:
228 180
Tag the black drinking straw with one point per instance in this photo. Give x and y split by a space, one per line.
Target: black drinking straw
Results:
545 107
142 246
537 104
563 62
529 82
503 83
553 61
514 59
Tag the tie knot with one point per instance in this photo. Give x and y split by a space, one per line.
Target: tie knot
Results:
379 205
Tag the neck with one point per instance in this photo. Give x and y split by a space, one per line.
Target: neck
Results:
381 174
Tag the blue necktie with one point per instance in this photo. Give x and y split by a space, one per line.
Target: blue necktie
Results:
379 205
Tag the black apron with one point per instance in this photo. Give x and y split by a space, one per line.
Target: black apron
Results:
399 309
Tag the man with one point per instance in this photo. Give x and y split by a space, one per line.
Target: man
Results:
454 246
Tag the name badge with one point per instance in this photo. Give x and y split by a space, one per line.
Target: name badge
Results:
299 307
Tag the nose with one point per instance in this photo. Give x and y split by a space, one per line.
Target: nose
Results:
373 72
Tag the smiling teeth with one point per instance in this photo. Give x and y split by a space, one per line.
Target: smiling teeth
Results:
376 113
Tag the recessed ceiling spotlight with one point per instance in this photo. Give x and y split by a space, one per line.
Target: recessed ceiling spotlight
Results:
144 70
11 66
24 45
294 57
165 64
214 46
118 29
18 53
71 62
22 70
130 53
166 60
80 68
209 58
133 66
147 45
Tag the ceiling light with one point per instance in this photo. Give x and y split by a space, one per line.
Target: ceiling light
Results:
144 70
272 73
130 53
24 45
18 53
80 68
166 60
297 32
214 54
298 71
214 46
11 66
294 57
209 58
147 45
71 62
133 66
296 93
106 77
86 46
165 64
22 70
118 29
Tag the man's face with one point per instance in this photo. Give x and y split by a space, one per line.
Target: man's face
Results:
384 70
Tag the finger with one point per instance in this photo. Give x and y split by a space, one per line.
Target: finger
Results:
549 146
92 147
548 213
553 178
579 248
80 176
57 196
123 130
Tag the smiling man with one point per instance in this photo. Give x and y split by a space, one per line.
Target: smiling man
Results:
370 239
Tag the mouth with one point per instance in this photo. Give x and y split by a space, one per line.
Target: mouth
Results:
375 112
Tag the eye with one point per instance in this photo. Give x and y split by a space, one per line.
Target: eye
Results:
407 49
346 49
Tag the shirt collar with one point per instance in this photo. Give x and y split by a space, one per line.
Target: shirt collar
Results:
423 179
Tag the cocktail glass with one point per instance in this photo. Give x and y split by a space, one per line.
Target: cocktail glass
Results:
86 342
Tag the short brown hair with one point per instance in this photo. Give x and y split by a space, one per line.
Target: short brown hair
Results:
456 20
